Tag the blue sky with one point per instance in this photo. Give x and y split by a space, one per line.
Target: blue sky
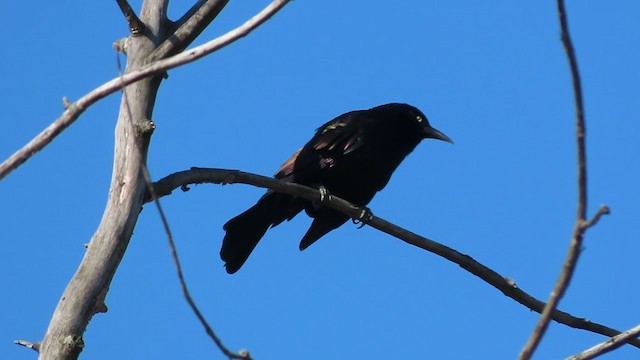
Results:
491 75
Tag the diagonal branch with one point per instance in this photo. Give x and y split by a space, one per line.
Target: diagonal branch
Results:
35 347
507 286
581 224
609 345
135 25
74 110
183 283
186 16
188 28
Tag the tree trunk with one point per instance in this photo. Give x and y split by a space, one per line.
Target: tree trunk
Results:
85 293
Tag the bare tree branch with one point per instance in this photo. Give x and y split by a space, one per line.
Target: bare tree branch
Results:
609 345
135 25
188 28
581 224
185 291
35 347
507 286
74 110
603 210
85 293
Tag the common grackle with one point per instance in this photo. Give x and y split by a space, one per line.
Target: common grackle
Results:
351 156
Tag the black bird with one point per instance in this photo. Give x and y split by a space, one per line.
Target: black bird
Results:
351 156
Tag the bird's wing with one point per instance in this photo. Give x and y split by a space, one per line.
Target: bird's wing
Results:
286 169
341 135
334 139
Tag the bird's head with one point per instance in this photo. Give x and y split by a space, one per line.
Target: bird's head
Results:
415 116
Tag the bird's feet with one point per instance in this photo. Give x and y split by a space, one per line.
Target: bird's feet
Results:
363 219
325 196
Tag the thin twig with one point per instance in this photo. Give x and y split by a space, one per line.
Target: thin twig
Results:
581 224
33 346
174 252
135 25
507 286
74 110
185 291
607 346
603 210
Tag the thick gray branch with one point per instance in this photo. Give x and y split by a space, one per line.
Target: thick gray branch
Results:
135 25
85 293
188 28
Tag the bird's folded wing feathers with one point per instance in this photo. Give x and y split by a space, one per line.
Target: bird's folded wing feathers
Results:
287 168
338 137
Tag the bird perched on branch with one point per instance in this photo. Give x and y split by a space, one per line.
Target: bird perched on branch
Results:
351 156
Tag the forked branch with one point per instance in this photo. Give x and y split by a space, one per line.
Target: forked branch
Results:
75 109
581 224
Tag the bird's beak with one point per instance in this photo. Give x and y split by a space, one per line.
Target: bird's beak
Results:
435 134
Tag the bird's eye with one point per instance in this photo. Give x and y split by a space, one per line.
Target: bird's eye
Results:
419 118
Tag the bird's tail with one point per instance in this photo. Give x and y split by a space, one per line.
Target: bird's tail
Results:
245 230
324 221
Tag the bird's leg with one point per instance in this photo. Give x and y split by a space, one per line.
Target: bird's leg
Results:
325 196
365 216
